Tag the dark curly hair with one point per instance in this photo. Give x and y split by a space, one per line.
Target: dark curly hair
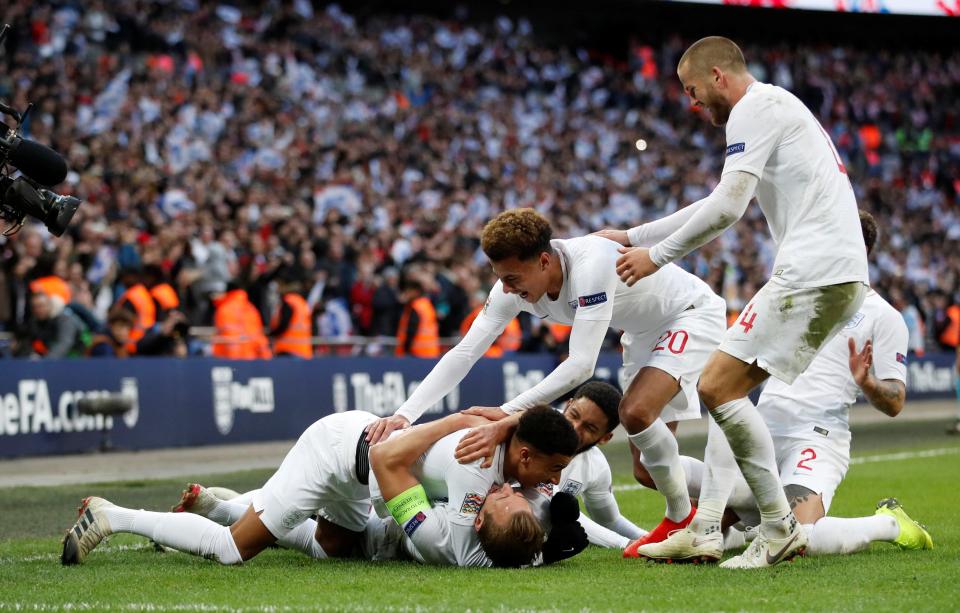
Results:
520 233
548 431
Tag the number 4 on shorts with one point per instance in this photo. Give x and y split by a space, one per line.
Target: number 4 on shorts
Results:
746 322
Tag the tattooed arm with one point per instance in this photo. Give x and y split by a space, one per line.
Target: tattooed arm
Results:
887 395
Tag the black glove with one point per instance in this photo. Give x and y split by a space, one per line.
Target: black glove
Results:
564 508
567 539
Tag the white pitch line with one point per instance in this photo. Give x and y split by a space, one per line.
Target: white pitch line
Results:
867 459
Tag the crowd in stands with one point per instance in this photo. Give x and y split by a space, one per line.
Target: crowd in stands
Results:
291 168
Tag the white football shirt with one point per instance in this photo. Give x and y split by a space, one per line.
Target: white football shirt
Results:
592 291
804 190
818 402
463 487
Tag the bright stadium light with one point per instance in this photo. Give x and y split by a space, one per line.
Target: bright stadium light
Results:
641 144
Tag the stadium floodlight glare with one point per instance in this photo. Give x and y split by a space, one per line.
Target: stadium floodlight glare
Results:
641 144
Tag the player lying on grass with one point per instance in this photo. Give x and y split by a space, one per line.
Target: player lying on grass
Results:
809 422
593 413
671 323
326 473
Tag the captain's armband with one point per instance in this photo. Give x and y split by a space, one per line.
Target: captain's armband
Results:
408 508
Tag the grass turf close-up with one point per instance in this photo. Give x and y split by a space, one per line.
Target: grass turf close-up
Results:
913 461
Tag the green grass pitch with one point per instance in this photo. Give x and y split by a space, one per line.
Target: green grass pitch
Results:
127 575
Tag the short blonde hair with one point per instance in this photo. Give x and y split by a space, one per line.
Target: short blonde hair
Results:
520 233
515 544
712 51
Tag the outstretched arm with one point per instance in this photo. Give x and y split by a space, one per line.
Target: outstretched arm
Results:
715 213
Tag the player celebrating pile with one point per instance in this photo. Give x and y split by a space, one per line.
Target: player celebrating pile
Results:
671 322
776 150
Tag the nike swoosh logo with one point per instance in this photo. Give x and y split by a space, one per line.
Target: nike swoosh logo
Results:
568 550
773 559
697 542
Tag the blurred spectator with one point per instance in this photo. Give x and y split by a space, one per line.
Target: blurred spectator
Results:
137 301
332 316
220 149
171 337
417 333
115 341
290 326
239 327
54 331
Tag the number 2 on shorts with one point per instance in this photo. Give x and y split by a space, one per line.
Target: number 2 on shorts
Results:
807 455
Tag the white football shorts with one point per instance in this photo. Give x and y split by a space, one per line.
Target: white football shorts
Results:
319 476
783 328
681 349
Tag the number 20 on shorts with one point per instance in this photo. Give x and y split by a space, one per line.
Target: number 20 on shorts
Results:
674 341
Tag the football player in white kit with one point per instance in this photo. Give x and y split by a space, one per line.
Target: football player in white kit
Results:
326 472
671 323
594 413
809 422
778 152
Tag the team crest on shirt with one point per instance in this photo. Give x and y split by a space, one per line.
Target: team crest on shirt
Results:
472 503
572 487
413 523
592 299
735 148
854 321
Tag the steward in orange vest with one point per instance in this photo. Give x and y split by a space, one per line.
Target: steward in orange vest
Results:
508 341
290 326
239 327
164 296
950 336
418 334
138 301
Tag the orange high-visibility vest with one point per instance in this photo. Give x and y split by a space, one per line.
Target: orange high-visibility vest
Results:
52 285
295 340
240 327
165 296
146 310
509 339
560 332
951 336
426 342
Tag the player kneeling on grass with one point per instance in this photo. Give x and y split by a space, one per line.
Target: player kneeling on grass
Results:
325 471
809 423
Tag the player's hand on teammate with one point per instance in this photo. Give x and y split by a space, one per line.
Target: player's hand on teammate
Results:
634 264
617 236
860 361
481 443
381 429
491 413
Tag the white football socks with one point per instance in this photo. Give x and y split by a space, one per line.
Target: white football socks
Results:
840 535
184 532
303 539
752 446
227 511
720 473
661 457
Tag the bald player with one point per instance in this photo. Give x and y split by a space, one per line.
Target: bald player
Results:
778 152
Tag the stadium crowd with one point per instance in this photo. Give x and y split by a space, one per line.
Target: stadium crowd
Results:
297 167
